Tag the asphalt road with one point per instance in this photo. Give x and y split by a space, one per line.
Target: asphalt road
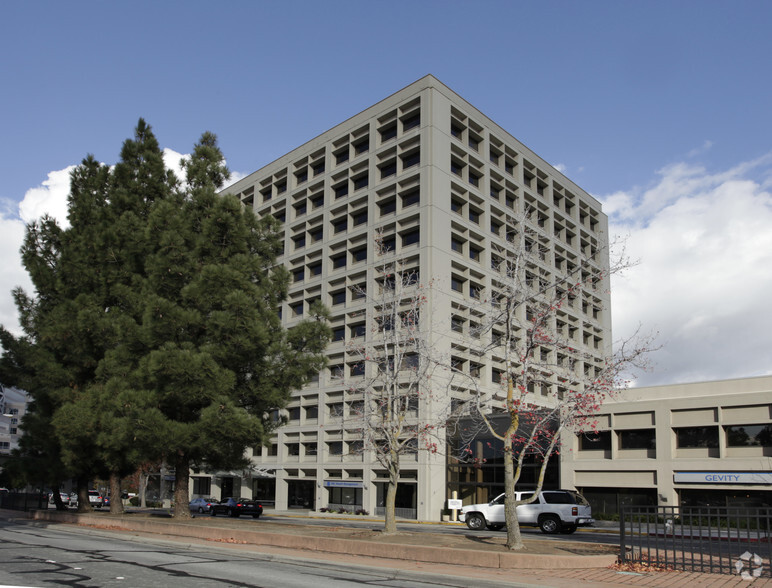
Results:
34 554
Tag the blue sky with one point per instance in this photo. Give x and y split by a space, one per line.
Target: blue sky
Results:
659 109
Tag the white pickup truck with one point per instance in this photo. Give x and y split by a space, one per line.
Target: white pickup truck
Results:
554 511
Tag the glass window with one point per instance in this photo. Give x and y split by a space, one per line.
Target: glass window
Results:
696 437
340 225
389 131
410 198
339 333
411 121
637 439
362 146
339 261
338 297
387 206
319 168
359 254
361 182
411 237
749 436
341 190
411 159
359 218
388 169
341 155
315 268
589 441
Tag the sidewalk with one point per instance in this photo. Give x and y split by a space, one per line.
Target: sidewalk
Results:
543 563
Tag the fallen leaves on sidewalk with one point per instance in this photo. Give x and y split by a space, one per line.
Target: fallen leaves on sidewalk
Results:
228 540
641 566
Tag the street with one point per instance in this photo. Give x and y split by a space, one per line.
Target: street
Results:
52 555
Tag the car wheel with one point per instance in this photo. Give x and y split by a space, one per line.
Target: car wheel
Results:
494 526
213 512
255 516
568 529
549 524
475 521
200 510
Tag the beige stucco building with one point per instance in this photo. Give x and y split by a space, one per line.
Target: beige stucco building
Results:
705 443
448 188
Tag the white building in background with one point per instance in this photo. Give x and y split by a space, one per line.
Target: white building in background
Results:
13 406
447 187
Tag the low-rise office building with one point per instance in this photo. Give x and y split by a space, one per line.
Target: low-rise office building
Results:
704 443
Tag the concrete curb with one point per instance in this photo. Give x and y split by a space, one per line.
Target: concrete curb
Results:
416 553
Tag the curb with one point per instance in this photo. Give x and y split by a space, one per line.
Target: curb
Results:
415 553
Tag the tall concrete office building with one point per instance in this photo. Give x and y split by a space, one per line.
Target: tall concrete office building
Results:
446 186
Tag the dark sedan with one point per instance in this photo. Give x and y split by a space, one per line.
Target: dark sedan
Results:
235 507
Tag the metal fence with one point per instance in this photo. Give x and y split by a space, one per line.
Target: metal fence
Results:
404 513
23 500
724 540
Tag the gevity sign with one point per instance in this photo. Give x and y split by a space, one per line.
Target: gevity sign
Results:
723 477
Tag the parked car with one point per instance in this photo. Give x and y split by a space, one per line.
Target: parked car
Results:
554 511
202 505
235 507
64 496
95 499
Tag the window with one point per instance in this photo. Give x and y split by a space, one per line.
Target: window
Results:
315 268
411 237
339 261
318 168
456 130
387 206
597 440
361 181
301 176
299 241
389 243
335 447
411 121
358 330
456 284
312 412
357 369
338 297
696 437
474 178
339 225
389 131
341 155
298 275
637 439
388 169
456 167
359 218
362 146
202 485
297 308
457 324
456 205
281 186
310 448
359 254
474 253
293 449
336 409
317 201
474 216
294 413
317 234
339 333
411 159
410 198
457 245
749 436
341 190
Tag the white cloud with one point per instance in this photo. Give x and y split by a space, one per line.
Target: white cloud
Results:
50 198
705 248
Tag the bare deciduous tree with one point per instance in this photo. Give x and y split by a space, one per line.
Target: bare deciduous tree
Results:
547 333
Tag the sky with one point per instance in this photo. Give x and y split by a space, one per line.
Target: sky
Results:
660 110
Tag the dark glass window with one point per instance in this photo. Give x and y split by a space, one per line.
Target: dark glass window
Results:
300 241
339 333
315 268
410 198
474 216
389 243
359 218
411 237
319 168
358 330
362 146
300 208
457 245
388 169
411 121
456 130
359 254
474 179
297 308
298 274
338 297
317 200
361 182
316 234
696 437
637 439
387 206
595 440
301 176
340 225
339 261
749 436
281 186
342 155
341 190
456 167
389 131
411 159
456 284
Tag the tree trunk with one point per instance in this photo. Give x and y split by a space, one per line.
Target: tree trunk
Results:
116 502
514 538
390 523
84 504
142 490
56 495
181 493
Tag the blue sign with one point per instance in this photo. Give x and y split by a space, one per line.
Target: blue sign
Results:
342 484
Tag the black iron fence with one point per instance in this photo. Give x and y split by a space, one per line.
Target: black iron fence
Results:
722 540
23 500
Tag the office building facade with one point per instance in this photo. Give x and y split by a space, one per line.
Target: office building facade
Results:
447 188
